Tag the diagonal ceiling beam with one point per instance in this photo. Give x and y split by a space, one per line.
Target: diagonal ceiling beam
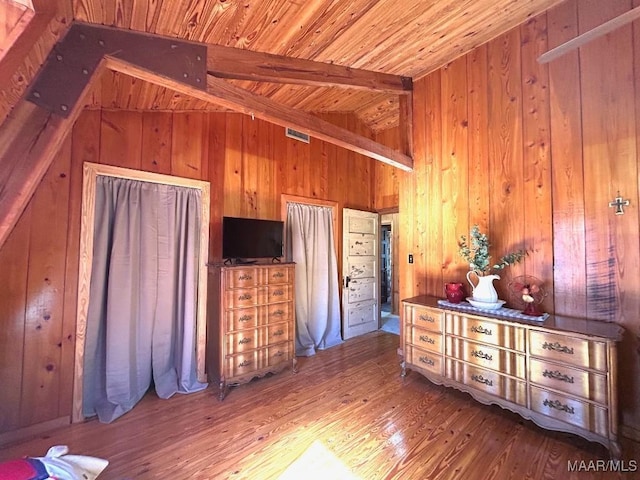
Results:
30 138
235 63
238 99
33 132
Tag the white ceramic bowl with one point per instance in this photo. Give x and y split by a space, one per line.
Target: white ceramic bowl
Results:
486 305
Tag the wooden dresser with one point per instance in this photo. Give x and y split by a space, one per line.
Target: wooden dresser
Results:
559 373
251 327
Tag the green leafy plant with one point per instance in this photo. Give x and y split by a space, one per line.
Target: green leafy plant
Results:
475 251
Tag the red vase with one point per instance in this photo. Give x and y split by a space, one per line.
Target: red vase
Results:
454 291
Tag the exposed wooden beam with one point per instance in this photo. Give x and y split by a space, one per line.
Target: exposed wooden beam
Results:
592 34
21 40
235 63
30 137
240 100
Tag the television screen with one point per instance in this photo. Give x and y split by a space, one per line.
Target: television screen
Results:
244 238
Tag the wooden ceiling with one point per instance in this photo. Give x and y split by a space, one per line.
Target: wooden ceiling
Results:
409 38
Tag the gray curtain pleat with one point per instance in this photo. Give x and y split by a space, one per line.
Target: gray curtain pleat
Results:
143 295
309 243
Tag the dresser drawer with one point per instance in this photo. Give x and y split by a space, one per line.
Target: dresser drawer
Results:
425 317
241 318
488 381
242 364
278 312
425 339
279 293
277 333
575 412
277 275
241 277
566 349
588 385
486 356
424 359
486 331
280 353
242 341
243 297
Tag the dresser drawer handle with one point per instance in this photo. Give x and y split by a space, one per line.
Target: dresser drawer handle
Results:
244 363
278 293
278 313
556 347
481 354
557 376
481 329
481 379
425 338
245 276
427 318
244 318
426 360
558 406
244 340
278 275
278 333
244 296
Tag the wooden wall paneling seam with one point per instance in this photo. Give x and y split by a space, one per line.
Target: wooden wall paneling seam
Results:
507 224
217 148
479 179
121 139
157 146
14 258
233 176
85 147
429 195
250 160
537 209
454 173
567 175
41 386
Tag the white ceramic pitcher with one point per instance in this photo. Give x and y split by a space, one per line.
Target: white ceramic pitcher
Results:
483 290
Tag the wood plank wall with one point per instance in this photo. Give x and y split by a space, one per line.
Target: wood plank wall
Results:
249 164
533 154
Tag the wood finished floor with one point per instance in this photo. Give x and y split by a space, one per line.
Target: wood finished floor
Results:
352 399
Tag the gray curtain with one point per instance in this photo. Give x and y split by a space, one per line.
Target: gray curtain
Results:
141 320
309 243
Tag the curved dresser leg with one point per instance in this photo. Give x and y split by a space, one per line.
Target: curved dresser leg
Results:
294 365
222 386
615 450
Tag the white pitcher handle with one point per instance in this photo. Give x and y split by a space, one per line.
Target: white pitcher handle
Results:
469 279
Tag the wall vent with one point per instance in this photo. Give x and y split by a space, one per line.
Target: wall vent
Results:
291 133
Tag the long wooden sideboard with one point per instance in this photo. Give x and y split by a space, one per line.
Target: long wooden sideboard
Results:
560 373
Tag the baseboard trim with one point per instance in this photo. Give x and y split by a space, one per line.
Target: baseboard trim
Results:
31 431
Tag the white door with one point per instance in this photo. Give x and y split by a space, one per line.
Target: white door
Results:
360 272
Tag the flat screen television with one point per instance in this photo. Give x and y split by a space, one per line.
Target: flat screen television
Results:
251 238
